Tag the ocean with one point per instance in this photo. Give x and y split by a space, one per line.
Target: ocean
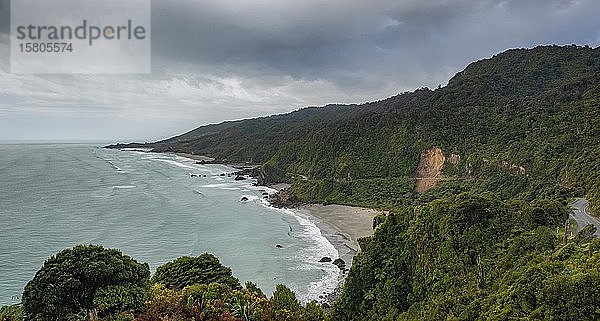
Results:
55 196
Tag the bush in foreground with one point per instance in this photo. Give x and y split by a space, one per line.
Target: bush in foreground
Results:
186 271
85 282
11 313
219 302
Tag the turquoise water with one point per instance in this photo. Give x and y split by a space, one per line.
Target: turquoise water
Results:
56 196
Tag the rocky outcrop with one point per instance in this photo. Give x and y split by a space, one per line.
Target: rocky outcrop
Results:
429 171
340 263
284 199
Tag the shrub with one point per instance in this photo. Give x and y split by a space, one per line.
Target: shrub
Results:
84 281
186 271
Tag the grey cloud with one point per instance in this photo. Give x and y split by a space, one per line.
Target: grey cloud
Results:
226 59
363 44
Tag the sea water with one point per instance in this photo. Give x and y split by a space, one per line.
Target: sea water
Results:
149 206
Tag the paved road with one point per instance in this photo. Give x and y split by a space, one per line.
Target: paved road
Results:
581 214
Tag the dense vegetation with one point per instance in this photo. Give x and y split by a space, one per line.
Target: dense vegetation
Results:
89 282
488 243
186 271
217 301
525 124
465 257
85 281
473 258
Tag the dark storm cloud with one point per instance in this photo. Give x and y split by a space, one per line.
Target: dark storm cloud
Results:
363 44
228 59
358 44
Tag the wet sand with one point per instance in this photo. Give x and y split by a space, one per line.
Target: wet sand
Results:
342 226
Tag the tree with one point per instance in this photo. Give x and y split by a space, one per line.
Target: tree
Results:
586 233
312 312
11 313
203 269
78 281
284 304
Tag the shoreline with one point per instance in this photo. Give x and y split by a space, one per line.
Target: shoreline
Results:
341 225
194 157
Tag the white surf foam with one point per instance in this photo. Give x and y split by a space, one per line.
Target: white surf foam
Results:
176 163
123 187
309 257
114 166
216 185
251 198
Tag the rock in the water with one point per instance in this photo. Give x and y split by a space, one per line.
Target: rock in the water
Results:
239 178
244 199
222 174
279 246
325 259
339 263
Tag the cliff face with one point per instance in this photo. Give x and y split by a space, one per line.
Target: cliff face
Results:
429 171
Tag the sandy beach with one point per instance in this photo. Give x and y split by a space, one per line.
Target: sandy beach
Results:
342 225
195 157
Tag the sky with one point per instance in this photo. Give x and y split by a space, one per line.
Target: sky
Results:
216 60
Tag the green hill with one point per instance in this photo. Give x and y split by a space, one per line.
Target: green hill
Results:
475 176
524 123
473 258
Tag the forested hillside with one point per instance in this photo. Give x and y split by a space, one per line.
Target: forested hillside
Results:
524 123
473 258
465 257
475 177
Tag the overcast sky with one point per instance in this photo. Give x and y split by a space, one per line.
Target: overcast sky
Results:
216 60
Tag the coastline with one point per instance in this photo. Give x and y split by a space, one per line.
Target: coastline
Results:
195 157
341 225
